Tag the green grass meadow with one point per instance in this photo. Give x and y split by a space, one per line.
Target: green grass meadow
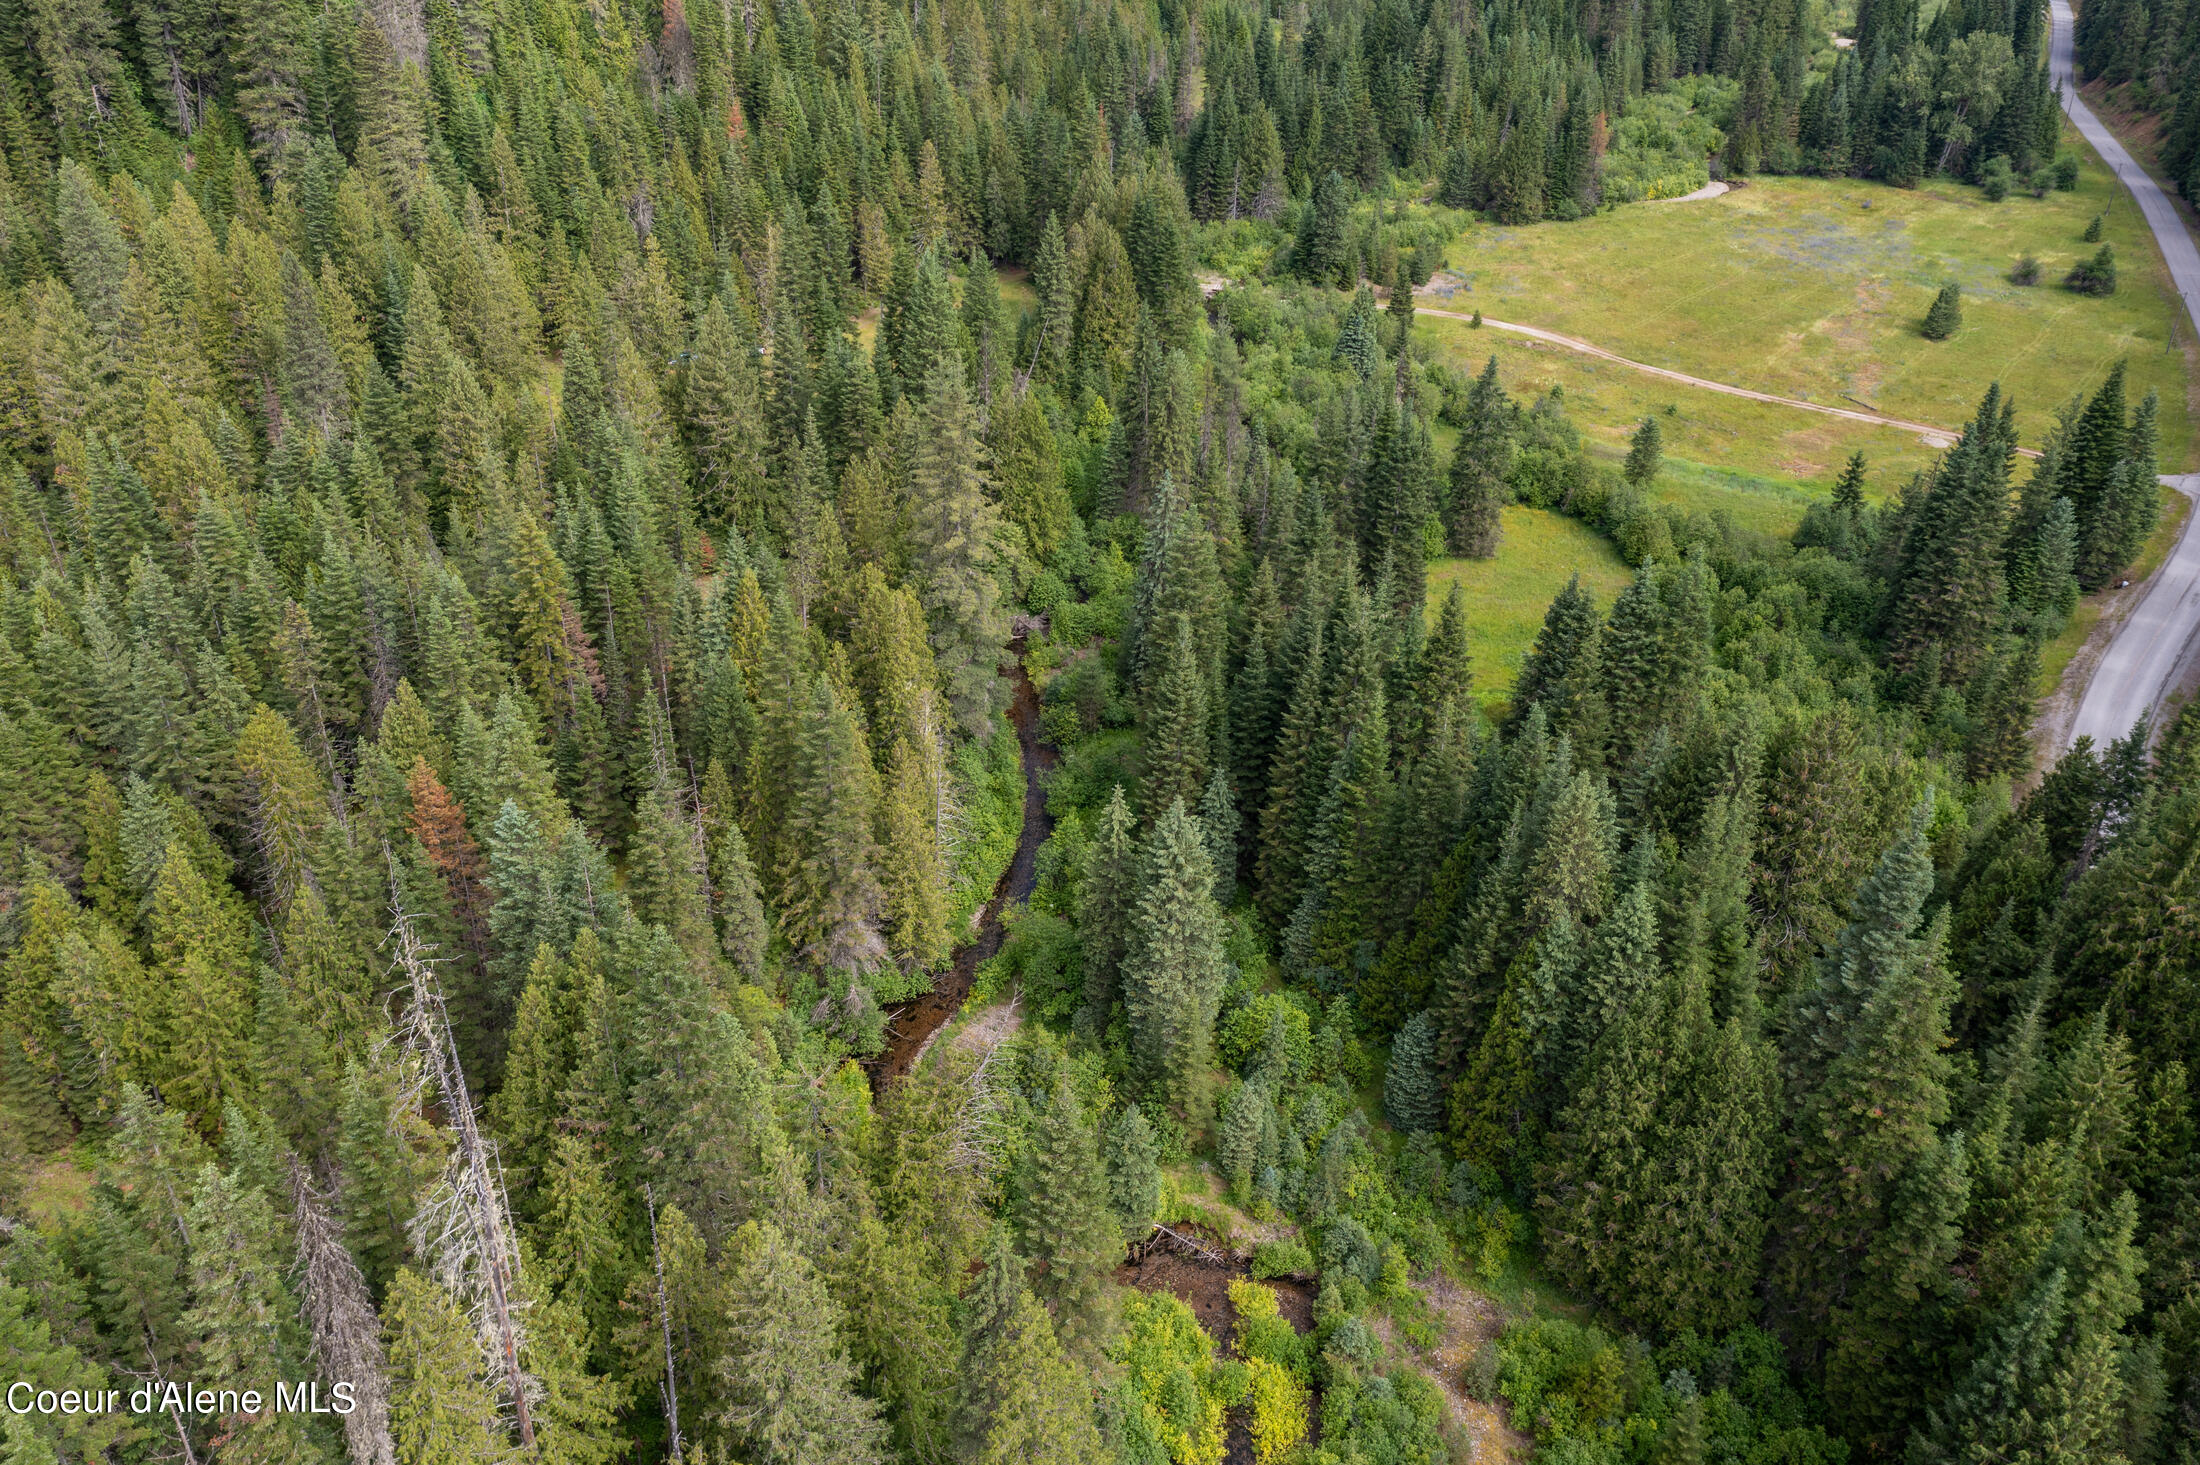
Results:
1507 596
1814 289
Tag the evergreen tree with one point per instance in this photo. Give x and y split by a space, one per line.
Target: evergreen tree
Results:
1481 464
1322 248
1946 316
1645 452
1020 1397
1218 826
789 1388
1106 901
1867 1072
955 538
1411 1096
1176 724
1134 1172
744 928
1067 1221
829 895
1173 966
440 1407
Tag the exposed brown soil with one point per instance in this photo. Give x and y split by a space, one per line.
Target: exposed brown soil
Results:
1204 1286
911 1028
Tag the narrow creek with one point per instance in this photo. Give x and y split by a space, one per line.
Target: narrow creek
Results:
910 1028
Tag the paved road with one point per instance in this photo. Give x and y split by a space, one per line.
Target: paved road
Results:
1939 437
2158 641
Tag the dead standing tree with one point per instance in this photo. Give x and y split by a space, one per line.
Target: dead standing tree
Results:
347 1335
464 1225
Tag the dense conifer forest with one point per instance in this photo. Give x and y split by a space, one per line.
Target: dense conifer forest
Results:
543 545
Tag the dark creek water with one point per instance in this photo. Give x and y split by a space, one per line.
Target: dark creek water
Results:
911 1027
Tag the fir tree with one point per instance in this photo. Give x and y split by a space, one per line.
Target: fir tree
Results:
1106 897
1946 316
1411 1096
829 900
1867 1071
1481 465
1172 963
955 538
1176 723
1067 1221
1020 1397
789 1388
440 1407
1645 453
1218 826
1134 1172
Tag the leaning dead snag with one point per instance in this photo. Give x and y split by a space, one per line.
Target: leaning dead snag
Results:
464 1224
347 1334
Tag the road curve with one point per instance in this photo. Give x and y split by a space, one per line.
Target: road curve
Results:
2157 642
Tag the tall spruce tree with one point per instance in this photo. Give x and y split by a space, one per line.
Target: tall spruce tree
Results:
1173 967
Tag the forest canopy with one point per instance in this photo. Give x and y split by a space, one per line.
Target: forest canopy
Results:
564 570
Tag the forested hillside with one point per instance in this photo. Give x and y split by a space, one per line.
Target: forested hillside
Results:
522 526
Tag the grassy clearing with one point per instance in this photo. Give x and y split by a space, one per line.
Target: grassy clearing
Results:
1507 596
59 1188
1813 289
1744 448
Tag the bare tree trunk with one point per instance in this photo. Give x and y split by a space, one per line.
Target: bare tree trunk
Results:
347 1335
464 1224
664 1319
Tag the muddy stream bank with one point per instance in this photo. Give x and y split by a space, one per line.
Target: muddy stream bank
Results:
911 1027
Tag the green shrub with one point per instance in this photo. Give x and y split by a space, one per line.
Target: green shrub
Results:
1662 146
1286 1258
1562 1379
1996 179
2095 276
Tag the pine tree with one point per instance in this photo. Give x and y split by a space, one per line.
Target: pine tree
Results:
954 535
1173 964
1645 452
1020 1398
1106 898
1322 247
1218 826
1946 316
723 415
829 896
440 1407
912 868
1050 280
744 929
1134 1172
1067 1221
1848 489
200 942
1867 1072
243 1314
1411 1096
1176 723
1882 1367
789 1388
1951 587
1563 671
2050 1376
